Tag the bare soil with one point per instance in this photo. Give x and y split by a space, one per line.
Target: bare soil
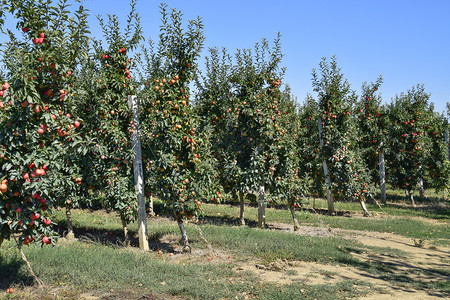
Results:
416 265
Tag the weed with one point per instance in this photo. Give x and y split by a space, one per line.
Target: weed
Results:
291 272
419 243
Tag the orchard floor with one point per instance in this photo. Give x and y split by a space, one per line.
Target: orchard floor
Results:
402 276
413 266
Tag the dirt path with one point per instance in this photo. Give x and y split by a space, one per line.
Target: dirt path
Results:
418 265
405 273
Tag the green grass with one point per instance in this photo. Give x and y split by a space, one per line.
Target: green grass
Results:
431 211
100 265
402 226
408 227
407 281
240 240
100 269
271 245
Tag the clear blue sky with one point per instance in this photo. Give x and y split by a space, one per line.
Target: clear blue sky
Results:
405 41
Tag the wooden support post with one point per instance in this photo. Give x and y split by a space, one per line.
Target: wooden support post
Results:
261 207
330 199
382 177
139 175
241 208
70 234
421 187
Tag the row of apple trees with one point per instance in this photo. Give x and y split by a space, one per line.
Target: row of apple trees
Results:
64 119
66 126
341 146
361 143
230 132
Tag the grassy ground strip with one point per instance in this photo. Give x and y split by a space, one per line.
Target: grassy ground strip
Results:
79 268
401 224
97 264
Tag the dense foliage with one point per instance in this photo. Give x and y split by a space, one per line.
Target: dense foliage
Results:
227 130
348 176
38 122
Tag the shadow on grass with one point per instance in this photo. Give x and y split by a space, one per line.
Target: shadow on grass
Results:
115 238
396 198
400 274
436 211
10 270
284 206
226 220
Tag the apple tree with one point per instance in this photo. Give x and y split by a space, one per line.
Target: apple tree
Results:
309 146
110 126
406 135
371 140
175 152
244 104
346 176
214 99
39 127
289 180
436 163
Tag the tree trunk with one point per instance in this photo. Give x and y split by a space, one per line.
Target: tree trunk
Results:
382 177
184 237
294 217
261 207
125 232
70 234
326 173
364 208
411 198
447 145
241 208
